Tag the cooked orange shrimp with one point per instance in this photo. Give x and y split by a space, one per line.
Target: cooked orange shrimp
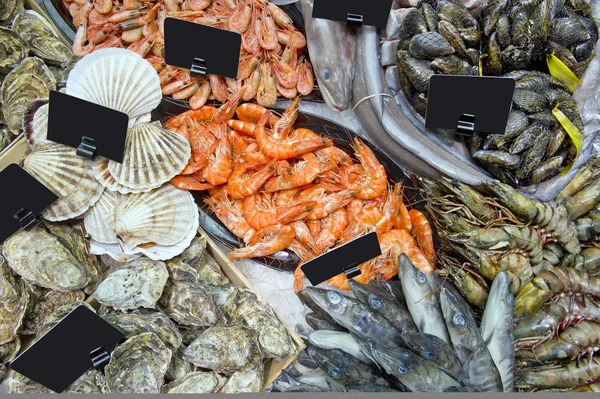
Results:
134 4
83 12
364 222
290 56
220 163
291 37
181 81
219 88
247 128
285 75
373 181
396 242
328 203
332 157
422 231
302 173
255 156
81 45
267 89
230 216
282 128
201 96
204 114
227 110
248 64
314 226
297 248
391 210
259 212
251 86
241 18
242 184
203 144
143 46
190 183
98 33
199 5
306 77
253 113
265 29
304 237
404 220
286 197
265 242
332 228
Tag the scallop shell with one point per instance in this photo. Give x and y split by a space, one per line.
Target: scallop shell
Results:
103 175
99 222
165 216
116 78
70 176
153 156
112 250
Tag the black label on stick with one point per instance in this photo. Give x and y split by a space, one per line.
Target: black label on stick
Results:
354 12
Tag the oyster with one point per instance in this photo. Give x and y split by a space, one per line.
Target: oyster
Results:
39 257
6 136
179 368
223 295
165 216
153 156
137 322
8 8
198 382
186 300
70 176
92 381
52 50
210 272
138 365
100 219
8 352
13 50
245 381
256 314
59 315
46 306
18 383
195 252
29 24
224 349
136 284
35 122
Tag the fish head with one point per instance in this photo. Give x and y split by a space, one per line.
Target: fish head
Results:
330 301
327 362
500 292
367 295
335 81
457 318
396 361
411 276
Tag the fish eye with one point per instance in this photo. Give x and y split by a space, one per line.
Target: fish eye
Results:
326 74
335 372
460 320
403 368
375 302
421 278
334 297
361 324
428 355
510 300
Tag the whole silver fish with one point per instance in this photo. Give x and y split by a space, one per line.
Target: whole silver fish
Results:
331 47
422 300
344 368
497 328
327 339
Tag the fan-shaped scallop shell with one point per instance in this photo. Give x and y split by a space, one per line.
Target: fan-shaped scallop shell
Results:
35 122
100 220
103 175
116 78
164 216
112 250
70 176
153 156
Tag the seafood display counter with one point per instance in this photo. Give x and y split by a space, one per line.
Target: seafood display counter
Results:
487 274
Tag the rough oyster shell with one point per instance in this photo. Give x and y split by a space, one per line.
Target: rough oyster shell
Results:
198 382
137 322
29 24
186 300
13 306
153 156
136 284
53 51
254 313
59 315
179 368
195 252
92 381
117 79
165 216
14 50
39 257
35 122
245 381
222 295
18 383
103 175
70 176
45 306
138 365
224 349
99 221
6 136
210 272
8 8
8 352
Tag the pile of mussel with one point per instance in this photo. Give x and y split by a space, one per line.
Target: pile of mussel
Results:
33 61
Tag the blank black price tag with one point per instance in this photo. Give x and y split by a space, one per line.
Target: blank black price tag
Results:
26 198
354 12
487 99
71 120
342 259
62 355
202 49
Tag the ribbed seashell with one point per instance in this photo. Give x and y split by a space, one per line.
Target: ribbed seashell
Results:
100 219
116 78
68 175
35 122
112 250
100 168
153 156
166 252
165 216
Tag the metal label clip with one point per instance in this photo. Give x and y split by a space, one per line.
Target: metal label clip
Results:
26 219
466 125
355 20
100 358
352 271
87 148
199 68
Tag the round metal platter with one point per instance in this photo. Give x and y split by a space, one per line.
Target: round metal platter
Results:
286 260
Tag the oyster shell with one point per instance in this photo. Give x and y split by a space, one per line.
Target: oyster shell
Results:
91 382
222 295
70 176
39 257
29 24
164 216
138 365
224 349
245 381
8 8
45 306
8 352
35 122
179 368
12 313
254 313
137 322
210 272
99 221
195 252
186 300
6 136
59 315
153 156
13 50
118 79
136 284
18 383
198 382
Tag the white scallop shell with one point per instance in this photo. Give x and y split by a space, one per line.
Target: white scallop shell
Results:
116 78
68 175
100 168
153 156
166 252
40 125
165 216
100 219
112 250
156 252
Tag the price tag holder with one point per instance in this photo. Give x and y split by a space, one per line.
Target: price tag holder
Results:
469 103
343 259
354 12
93 130
82 340
202 49
27 200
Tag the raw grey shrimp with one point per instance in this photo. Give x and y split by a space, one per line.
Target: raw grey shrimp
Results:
563 376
